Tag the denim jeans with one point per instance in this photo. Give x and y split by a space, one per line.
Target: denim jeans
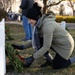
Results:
27 28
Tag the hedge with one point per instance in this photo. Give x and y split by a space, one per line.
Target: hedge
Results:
68 19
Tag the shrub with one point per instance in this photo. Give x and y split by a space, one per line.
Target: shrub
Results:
68 19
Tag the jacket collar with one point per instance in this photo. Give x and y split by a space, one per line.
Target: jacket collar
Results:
45 18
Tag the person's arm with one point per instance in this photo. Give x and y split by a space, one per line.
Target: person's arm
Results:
23 4
47 41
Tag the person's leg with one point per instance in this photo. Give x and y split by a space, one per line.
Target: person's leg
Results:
26 27
30 30
72 59
60 63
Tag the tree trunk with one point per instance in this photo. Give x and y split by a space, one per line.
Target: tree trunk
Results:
44 9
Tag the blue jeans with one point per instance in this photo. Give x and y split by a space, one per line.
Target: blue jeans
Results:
27 28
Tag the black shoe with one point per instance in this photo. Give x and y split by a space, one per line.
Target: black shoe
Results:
47 63
21 47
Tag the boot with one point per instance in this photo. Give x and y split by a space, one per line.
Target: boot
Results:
48 58
27 61
21 47
47 63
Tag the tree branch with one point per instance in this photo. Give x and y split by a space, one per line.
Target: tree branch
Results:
54 4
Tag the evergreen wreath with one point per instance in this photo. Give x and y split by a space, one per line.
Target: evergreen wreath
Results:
13 58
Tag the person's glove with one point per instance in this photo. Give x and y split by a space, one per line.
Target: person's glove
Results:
27 61
21 47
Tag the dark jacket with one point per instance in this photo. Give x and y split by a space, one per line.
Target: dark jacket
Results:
26 5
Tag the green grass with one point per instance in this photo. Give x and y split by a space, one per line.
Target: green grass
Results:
18 34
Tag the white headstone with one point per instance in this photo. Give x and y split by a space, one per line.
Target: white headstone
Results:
63 24
2 48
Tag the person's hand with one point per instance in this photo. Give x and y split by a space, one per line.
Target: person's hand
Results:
27 61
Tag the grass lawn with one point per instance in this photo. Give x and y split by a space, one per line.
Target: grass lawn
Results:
17 32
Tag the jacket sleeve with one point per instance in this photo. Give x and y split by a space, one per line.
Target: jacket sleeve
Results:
47 41
23 4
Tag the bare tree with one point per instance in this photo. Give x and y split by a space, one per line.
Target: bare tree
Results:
62 8
72 6
1 5
7 4
49 4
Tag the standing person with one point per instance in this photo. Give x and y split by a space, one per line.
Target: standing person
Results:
52 36
25 6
